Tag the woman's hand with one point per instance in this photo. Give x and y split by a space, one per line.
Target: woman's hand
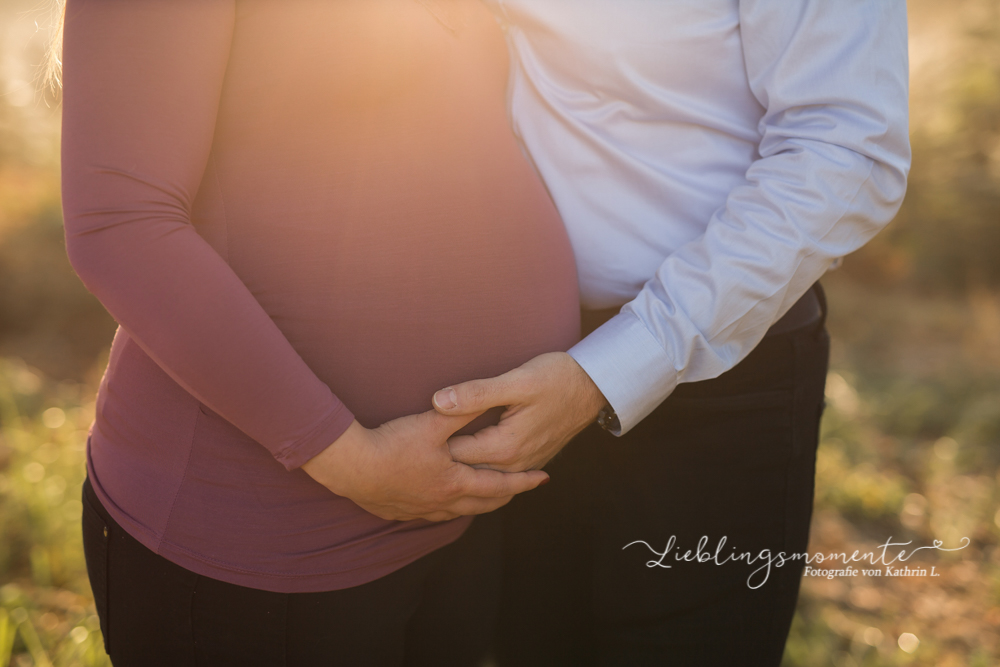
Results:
403 470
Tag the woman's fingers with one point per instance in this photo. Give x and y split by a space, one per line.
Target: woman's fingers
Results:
477 492
439 516
483 483
467 506
473 506
413 475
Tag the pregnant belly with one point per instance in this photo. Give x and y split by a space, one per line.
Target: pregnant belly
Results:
394 295
387 329
386 308
396 328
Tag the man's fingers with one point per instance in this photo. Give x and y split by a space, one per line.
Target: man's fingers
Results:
493 484
485 446
477 396
440 427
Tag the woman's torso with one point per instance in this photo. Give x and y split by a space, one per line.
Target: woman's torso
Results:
366 188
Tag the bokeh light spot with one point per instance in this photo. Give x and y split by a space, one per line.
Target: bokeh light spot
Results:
908 642
873 636
54 417
34 472
945 448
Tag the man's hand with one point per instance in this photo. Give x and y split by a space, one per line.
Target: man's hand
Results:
549 400
403 470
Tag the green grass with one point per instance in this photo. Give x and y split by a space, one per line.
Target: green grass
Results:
909 450
47 615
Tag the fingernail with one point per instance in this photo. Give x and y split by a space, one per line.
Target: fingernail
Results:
446 399
544 481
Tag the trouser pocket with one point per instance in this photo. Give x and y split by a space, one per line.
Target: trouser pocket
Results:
96 536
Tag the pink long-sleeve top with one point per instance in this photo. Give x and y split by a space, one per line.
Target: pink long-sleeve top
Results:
300 212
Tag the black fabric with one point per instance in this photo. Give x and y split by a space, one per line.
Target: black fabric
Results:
95 549
731 457
439 610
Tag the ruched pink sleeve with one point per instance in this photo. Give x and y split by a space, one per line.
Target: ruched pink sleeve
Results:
142 87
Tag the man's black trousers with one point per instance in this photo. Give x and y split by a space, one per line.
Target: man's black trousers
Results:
729 460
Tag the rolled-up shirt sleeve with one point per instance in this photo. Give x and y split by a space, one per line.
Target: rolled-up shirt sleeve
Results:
832 78
143 82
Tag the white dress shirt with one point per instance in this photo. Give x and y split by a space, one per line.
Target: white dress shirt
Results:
710 159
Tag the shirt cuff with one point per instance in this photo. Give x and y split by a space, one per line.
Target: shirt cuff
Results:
293 454
629 366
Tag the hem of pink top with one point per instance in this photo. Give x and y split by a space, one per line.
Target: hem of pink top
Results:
271 581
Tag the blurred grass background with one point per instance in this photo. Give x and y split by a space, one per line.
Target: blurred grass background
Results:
911 438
